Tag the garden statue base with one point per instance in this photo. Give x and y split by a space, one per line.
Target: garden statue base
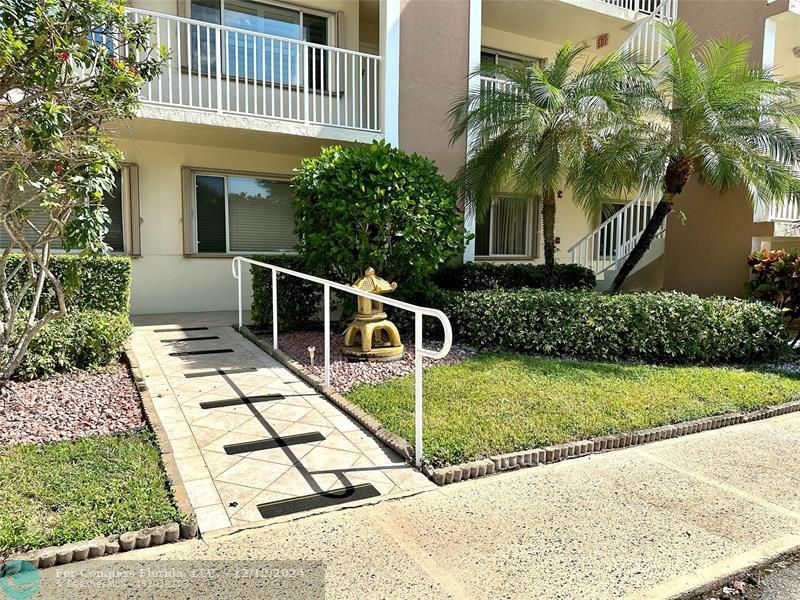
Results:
371 336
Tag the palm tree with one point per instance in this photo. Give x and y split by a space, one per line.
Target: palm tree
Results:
714 117
540 128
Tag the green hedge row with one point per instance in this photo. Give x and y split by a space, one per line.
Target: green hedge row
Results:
82 339
473 276
90 282
299 300
654 327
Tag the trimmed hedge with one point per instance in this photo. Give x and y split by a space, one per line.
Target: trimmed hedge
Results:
80 340
90 282
298 300
473 276
665 327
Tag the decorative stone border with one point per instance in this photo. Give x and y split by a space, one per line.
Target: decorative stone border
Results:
395 442
525 458
106 546
567 450
167 458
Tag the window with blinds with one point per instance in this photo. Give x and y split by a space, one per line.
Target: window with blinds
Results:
242 214
115 236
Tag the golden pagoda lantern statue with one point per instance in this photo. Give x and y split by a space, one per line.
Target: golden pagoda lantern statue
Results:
371 336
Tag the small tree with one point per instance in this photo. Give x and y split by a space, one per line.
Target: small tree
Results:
67 67
375 206
540 128
715 117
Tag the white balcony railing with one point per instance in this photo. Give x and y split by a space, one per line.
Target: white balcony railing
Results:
785 211
644 6
233 71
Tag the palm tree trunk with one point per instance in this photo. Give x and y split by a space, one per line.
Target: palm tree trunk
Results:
549 227
663 208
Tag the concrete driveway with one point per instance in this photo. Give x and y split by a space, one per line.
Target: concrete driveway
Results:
647 522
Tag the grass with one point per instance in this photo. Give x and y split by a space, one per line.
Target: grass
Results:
70 491
494 403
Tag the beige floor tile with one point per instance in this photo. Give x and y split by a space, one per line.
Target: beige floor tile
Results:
205 436
384 487
338 441
408 479
286 412
218 444
218 463
329 459
212 517
383 457
184 447
221 420
234 496
192 468
256 427
296 482
288 456
201 492
344 423
253 473
249 512
299 428
177 429
313 417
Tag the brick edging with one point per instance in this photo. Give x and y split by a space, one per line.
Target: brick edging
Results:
108 545
525 458
167 457
558 452
395 442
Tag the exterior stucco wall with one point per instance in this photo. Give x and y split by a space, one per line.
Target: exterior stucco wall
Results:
433 74
707 254
164 280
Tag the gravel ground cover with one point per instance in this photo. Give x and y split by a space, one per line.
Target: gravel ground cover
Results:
345 375
68 406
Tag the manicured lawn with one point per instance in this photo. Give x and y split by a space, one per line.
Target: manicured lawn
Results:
69 491
493 403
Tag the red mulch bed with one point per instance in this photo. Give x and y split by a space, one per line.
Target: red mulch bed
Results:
69 406
345 375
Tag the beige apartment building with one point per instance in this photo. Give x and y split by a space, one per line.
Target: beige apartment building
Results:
253 86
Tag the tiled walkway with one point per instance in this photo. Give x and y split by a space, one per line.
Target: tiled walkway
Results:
215 392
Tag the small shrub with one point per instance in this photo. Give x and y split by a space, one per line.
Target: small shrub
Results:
299 301
376 206
776 279
90 282
651 327
80 340
475 276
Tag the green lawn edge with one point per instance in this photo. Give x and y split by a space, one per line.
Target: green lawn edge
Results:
69 491
494 403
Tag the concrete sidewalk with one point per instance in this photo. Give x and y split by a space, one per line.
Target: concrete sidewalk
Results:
647 522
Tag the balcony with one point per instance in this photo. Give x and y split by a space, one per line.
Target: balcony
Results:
261 78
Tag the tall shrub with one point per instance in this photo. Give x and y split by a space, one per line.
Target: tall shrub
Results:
376 206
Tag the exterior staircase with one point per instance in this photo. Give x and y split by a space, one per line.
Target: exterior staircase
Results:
605 249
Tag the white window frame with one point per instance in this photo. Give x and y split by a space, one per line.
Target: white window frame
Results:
127 237
224 175
330 16
512 55
531 233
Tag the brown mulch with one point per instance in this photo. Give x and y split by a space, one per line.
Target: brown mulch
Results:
345 375
71 405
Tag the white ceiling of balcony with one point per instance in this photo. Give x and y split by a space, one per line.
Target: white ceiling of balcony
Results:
787 38
556 20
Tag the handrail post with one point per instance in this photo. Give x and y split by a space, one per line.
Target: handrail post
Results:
218 58
274 309
418 388
239 285
306 81
327 317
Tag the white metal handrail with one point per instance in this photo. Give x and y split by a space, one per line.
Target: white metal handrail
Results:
646 41
235 71
611 241
645 6
419 312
